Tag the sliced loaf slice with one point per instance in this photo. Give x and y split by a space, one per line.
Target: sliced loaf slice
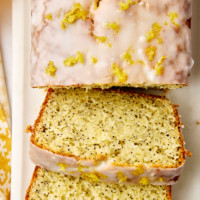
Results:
54 186
110 136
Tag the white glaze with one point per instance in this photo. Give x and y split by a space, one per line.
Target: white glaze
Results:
48 160
50 42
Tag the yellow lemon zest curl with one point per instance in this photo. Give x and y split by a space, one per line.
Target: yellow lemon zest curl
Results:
151 52
154 33
121 75
138 171
128 57
72 60
62 166
144 181
49 17
51 69
121 176
158 67
173 16
126 5
103 39
77 12
94 60
113 26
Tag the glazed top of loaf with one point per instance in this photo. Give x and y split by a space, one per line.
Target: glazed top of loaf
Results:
111 42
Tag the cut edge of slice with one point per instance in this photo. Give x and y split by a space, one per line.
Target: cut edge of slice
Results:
38 169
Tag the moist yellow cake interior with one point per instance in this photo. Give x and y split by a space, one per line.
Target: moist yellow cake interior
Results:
122 128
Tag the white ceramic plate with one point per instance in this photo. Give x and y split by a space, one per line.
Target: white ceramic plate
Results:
27 102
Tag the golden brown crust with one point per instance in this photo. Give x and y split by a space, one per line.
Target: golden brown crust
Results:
169 193
37 121
34 177
178 124
50 90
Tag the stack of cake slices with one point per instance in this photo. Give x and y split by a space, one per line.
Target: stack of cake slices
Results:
93 140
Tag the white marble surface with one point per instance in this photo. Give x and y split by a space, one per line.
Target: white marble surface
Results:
6 40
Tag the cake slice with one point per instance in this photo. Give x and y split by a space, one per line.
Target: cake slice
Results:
105 43
50 185
110 136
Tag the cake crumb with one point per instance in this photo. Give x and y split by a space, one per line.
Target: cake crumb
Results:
29 129
188 153
166 91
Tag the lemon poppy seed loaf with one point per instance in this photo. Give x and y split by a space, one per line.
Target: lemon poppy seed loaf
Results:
105 43
110 136
46 185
